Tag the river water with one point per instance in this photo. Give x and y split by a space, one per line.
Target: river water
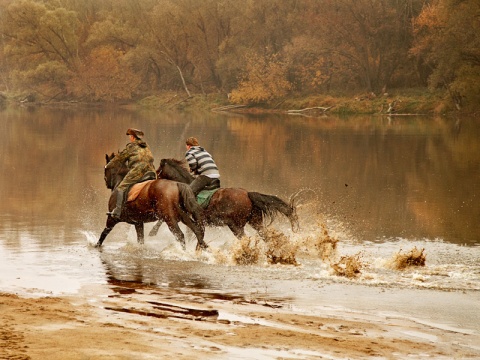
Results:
378 186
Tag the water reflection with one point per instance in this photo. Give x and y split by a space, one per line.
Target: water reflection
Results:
405 177
135 266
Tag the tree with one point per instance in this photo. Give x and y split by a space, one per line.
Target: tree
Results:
447 38
265 80
263 27
41 45
104 76
367 40
310 66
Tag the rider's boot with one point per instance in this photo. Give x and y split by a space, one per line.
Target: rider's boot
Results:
118 208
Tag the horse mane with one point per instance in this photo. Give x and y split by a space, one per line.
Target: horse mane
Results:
122 167
111 156
180 170
177 163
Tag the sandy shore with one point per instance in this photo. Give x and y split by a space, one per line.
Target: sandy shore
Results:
129 324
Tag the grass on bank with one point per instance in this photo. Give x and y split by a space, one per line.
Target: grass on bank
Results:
410 101
407 101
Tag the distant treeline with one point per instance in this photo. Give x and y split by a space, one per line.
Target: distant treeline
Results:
254 51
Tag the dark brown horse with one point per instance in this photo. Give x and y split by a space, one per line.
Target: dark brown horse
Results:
163 200
233 207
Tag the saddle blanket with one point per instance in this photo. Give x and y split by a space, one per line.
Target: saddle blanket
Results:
204 197
135 190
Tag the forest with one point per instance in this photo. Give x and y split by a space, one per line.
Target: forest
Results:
253 52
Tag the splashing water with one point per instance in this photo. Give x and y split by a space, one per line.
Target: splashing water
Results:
323 250
90 237
401 261
348 266
246 251
280 250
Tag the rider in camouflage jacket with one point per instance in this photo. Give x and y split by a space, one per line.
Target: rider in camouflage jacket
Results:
139 160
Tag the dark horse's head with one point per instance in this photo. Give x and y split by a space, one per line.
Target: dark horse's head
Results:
176 170
114 174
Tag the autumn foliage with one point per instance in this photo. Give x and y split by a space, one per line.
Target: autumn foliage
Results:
264 80
256 51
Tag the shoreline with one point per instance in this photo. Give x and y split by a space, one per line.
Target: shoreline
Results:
410 102
124 320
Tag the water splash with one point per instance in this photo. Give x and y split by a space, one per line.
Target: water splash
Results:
280 249
348 266
90 237
401 261
247 251
323 250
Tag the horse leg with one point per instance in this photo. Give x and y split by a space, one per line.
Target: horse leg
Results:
175 229
237 230
256 222
198 229
111 222
104 234
155 228
140 232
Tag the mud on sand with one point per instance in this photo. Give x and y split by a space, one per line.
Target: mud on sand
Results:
133 324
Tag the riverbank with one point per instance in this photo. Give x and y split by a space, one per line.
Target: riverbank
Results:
398 102
158 324
395 103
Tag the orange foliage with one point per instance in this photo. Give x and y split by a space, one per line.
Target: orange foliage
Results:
103 76
265 80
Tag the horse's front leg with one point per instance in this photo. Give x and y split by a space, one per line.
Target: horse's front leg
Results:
103 235
155 228
199 230
175 229
140 232
108 227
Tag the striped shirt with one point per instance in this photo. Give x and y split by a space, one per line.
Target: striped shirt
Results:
201 162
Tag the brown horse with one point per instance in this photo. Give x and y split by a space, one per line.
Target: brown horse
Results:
162 200
233 207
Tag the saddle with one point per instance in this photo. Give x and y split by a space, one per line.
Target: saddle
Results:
204 197
135 189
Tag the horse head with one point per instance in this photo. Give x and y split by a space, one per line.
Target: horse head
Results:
176 170
113 175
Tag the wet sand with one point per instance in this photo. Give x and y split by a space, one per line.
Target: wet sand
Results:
126 323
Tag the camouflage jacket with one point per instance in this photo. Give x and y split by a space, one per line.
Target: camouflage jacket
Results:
138 158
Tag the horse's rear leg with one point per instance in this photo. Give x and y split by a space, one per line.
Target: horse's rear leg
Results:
256 222
237 230
140 233
155 228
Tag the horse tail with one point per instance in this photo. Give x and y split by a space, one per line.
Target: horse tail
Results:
271 205
189 202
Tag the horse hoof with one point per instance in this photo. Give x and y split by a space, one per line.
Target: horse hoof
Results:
202 247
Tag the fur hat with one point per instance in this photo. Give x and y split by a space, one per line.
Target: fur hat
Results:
191 141
136 133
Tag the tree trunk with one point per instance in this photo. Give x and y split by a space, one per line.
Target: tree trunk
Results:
170 60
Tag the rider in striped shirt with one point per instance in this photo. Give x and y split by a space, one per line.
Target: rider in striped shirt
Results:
201 163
